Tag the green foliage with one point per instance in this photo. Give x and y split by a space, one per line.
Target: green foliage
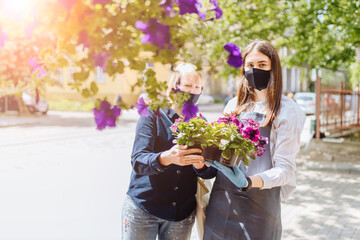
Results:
224 136
355 74
322 34
191 132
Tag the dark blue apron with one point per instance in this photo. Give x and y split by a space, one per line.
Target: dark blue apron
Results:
234 214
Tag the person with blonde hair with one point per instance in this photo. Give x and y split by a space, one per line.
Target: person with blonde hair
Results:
252 210
161 199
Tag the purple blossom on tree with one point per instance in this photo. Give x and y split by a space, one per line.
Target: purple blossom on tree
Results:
67 4
155 32
217 10
234 58
101 1
189 111
167 5
190 6
100 60
214 3
83 38
106 115
36 66
218 13
253 134
142 107
3 38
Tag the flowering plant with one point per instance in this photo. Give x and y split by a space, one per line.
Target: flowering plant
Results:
239 138
191 133
228 134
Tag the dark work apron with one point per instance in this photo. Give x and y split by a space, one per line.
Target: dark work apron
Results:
234 214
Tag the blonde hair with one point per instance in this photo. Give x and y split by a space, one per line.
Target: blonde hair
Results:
182 70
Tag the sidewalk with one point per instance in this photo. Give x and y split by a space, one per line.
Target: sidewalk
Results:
319 155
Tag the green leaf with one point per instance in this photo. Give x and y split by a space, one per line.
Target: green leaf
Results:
94 88
85 93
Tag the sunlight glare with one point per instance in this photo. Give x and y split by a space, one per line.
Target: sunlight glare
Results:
17 9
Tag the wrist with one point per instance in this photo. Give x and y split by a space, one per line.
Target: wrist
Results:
248 186
163 159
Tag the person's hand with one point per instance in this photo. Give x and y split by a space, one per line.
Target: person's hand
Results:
234 174
180 155
200 165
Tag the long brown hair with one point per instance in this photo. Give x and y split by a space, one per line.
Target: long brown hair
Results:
246 93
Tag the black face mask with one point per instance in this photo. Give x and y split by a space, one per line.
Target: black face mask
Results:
258 78
193 97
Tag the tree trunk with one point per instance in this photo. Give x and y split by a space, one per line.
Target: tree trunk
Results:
23 110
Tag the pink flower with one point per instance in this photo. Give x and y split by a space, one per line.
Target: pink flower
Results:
3 38
174 128
253 134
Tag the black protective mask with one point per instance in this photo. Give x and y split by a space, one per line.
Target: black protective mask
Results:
258 78
193 97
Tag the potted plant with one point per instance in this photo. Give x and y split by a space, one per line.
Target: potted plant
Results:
241 140
190 133
227 140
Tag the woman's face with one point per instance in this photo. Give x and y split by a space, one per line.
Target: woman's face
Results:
191 84
258 60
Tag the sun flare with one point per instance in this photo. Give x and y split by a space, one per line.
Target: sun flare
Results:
17 9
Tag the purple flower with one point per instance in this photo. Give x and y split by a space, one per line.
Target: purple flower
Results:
36 66
167 5
142 107
234 58
100 1
253 134
83 38
214 3
218 12
106 115
100 60
155 32
3 38
190 6
189 111
67 4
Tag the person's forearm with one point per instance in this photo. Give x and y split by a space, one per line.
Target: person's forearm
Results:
257 181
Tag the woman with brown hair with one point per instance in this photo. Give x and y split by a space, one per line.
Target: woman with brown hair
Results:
253 210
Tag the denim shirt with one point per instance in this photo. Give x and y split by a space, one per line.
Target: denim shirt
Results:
165 192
